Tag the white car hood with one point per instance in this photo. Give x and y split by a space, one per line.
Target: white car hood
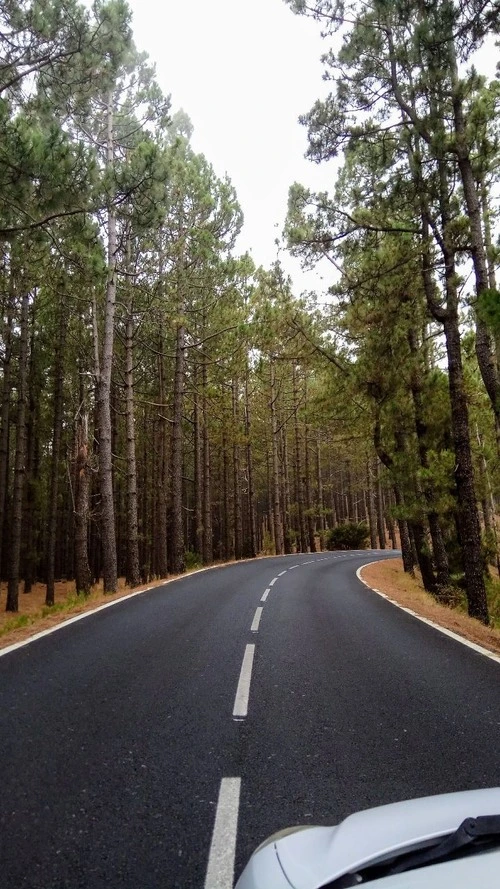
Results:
316 856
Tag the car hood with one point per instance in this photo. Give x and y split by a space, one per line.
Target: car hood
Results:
316 856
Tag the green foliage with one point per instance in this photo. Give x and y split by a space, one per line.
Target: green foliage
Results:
488 307
192 560
493 593
268 544
348 535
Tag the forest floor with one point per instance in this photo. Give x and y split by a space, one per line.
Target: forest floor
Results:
387 576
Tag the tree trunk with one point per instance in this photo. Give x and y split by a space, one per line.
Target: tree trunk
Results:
321 502
238 527
177 551
438 546
278 527
56 453
251 493
208 552
484 344
372 517
379 501
83 577
287 536
108 531
5 433
404 536
299 487
309 505
198 475
29 548
161 530
19 467
133 576
468 518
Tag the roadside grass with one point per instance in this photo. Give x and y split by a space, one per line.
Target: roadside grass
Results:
389 578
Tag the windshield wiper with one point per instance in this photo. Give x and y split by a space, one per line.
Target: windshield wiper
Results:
483 831
479 830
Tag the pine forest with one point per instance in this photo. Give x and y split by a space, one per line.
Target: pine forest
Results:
166 404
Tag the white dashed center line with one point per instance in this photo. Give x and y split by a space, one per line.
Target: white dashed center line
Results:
256 620
220 870
282 573
265 595
273 581
243 691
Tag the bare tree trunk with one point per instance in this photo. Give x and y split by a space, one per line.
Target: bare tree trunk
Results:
82 499
19 467
286 493
6 399
372 517
278 526
379 499
299 486
177 553
108 531
56 454
161 530
321 503
133 576
238 527
29 548
404 537
198 475
251 492
309 503
208 552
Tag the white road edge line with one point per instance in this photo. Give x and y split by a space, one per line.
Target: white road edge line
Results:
273 581
220 870
425 620
265 595
243 691
256 621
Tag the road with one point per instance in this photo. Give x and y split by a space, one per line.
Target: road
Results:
134 741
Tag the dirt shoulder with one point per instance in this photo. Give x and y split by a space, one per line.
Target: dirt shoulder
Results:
389 578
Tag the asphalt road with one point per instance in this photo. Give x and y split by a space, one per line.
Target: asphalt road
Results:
116 733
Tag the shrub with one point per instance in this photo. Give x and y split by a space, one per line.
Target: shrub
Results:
348 535
192 560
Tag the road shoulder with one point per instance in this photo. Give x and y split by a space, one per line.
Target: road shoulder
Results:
388 578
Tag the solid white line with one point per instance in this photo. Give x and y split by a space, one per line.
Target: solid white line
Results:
256 620
282 573
273 581
220 870
243 690
425 620
265 595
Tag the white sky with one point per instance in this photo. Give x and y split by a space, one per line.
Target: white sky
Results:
243 70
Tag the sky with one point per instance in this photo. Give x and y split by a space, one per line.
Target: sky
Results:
244 70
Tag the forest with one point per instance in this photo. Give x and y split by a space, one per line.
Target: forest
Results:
165 404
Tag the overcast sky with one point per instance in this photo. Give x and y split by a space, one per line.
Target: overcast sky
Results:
243 70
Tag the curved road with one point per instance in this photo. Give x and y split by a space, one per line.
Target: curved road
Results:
150 743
